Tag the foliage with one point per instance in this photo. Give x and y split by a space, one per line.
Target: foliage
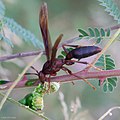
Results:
107 63
2 10
94 33
111 8
35 100
63 53
3 82
20 31
15 28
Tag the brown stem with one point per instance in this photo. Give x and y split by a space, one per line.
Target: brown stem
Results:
87 75
18 55
25 54
70 78
115 27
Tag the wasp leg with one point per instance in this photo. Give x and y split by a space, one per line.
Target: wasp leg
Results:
66 51
31 74
70 45
66 69
34 69
86 63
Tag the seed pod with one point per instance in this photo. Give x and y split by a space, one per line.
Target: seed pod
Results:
54 87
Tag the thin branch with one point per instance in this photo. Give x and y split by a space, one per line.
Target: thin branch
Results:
115 27
69 41
108 112
25 54
68 78
18 55
64 106
87 75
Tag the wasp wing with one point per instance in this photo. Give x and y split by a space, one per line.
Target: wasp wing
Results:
55 47
43 21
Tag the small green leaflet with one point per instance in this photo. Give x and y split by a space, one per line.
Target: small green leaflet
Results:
25 34
63 53
83 33
2 37
109 84
3 82
97 34
112 8
30 82
105 62
2 10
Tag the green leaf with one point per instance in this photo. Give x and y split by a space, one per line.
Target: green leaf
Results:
3 82
97 33
112 81
111 8
102 32
60 56
81 36
91 31
110 87
22 32
69 49
84 33
98 39
108 32
30 82
107 63
3 38
63 53
2 10
99 64
105 87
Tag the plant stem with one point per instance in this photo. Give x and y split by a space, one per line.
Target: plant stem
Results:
18 55
69 78
86 75
115 27
108 112
33 53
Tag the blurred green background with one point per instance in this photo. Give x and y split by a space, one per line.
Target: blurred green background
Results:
65 16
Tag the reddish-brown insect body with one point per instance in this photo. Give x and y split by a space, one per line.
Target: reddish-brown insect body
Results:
82 52
53 64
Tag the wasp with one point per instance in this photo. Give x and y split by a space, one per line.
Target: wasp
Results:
54 64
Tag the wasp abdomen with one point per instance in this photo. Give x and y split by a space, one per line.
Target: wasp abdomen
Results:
83 52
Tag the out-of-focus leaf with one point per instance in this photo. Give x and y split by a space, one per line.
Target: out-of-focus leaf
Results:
84 33
22 32
2 10
107 63
3 82
111 8
30 82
